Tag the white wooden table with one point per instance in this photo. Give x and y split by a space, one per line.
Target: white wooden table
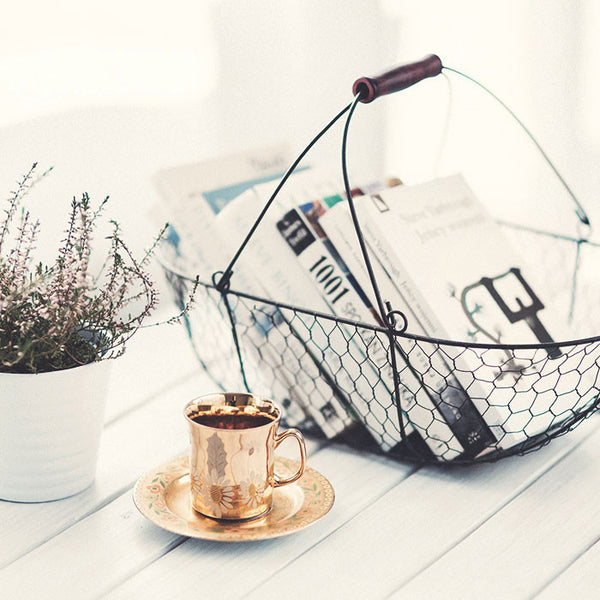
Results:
521 528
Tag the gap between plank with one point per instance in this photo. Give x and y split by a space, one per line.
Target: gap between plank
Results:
249 592
517 492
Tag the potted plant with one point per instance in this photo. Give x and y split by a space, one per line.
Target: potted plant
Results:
60 324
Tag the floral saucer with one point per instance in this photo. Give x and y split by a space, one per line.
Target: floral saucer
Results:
163 497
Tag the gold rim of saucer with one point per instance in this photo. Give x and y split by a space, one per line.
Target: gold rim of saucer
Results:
163 497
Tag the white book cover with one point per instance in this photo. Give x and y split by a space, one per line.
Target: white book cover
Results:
432 397
351 289
473 287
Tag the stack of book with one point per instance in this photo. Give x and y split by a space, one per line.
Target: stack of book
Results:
438 258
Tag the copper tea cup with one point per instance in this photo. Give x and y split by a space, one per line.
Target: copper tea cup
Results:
233 438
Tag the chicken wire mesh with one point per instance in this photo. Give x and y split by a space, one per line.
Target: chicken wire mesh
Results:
382 389
458 402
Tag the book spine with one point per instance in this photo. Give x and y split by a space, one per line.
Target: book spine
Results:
366 369
306 386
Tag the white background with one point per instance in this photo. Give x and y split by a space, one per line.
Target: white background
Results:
227 75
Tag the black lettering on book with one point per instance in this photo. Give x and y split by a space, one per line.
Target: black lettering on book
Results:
324 274
295 232
379 203
299 237
464 420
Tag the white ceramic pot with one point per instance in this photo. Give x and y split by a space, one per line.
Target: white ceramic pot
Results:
50 427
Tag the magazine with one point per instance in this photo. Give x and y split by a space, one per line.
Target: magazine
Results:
192 197
194 194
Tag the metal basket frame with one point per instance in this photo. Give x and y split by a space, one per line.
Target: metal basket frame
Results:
240 311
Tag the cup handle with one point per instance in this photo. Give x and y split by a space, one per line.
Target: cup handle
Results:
279 481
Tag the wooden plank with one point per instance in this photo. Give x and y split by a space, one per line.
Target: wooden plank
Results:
578 580
228 570
407 529
123 533
526 544
87 559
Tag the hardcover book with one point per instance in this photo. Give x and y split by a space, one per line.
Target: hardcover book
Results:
432 398
451 258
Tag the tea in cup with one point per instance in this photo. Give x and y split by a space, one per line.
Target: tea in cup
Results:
233 439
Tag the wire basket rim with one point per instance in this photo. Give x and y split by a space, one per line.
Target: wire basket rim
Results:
419 338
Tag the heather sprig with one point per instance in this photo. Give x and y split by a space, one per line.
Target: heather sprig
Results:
57 316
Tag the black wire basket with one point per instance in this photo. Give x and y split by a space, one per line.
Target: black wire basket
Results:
381 388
